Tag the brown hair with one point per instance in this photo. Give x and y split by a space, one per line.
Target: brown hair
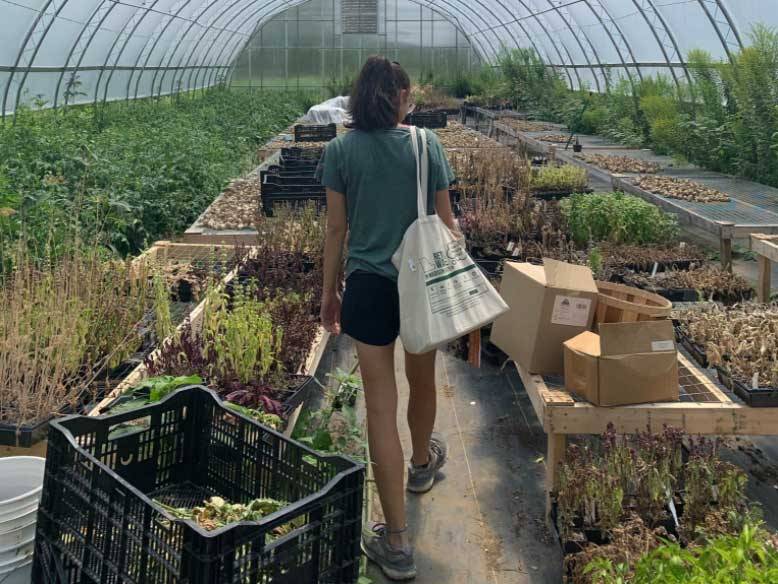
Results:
375 97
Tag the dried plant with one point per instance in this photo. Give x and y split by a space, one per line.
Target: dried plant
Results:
62 323
642 258
555 138
482 172
710 282
163 322
455 135
294 229
526 125
236 207
621 163
742 339
679 188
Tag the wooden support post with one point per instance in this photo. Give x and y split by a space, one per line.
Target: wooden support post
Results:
765 279
726 253
556 452
474 348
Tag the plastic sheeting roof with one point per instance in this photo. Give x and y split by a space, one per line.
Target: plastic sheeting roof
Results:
84 50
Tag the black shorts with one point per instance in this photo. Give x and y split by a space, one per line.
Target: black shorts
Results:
370 312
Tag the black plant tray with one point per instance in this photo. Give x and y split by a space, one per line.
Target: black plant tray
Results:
23 436
696 351
559 194
296 155
315 133
292 199
672 294
431 119
492 268
761 397
285 179
679 265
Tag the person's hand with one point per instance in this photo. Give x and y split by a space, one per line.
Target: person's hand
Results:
330 312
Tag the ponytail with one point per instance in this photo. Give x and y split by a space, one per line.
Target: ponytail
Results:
375 97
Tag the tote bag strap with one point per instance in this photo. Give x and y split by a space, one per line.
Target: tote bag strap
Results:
422 169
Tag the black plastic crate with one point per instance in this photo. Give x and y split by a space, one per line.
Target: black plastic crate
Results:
315 133
433 119
285 178
98 523
292 199
297 154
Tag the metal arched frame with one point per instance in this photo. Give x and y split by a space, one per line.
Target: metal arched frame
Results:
726 30
615 34
666 40
203 9
198 61
432 5
132 25
151 45
565 16
79 47
541 22
29 50
269 11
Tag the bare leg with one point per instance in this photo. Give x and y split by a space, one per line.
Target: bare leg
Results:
422 404
377 367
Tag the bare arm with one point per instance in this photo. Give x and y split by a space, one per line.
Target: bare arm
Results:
337 228
443 209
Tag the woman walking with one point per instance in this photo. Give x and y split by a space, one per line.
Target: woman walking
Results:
371 181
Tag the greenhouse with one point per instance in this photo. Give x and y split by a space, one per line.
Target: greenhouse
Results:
365 291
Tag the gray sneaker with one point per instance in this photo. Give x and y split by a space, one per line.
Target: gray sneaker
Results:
395 564
422 478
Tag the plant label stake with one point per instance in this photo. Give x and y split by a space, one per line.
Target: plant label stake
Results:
655 270
755 381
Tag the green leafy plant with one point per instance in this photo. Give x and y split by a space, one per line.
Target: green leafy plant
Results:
264 418
567 177
617 218
749 557
349 384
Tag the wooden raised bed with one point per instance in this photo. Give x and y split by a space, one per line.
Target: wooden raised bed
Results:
167 250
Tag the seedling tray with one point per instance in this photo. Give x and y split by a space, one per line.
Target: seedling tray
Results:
315 133
760 397
23 436
431 119
697 352
98 520
555 195
294 199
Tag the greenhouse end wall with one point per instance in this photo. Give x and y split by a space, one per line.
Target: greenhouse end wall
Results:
307 48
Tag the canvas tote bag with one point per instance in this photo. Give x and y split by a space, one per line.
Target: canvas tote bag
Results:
443 293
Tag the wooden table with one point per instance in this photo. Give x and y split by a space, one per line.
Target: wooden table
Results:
704 409
766 249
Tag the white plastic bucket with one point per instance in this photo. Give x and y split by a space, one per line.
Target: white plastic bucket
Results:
17 571
21 485
20 492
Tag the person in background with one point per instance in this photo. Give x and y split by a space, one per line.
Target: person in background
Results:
370 177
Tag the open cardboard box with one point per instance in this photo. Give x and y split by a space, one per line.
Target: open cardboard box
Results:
627 363
549 304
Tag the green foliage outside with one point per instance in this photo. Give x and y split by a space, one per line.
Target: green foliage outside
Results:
618 218
747 558
127 174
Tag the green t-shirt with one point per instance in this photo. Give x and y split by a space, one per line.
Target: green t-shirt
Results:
376 171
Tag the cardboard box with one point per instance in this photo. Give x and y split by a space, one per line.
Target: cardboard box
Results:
627 363
549 304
